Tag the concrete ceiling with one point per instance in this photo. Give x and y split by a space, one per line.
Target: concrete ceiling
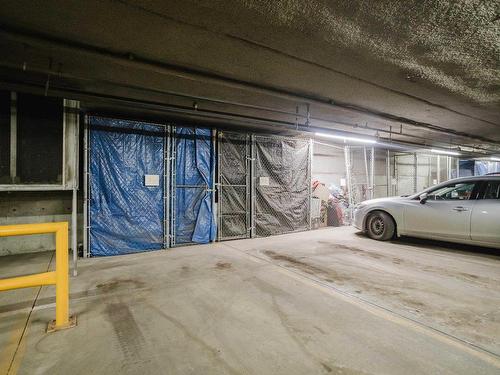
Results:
427 71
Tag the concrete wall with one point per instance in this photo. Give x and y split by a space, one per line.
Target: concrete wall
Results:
37 165
34 207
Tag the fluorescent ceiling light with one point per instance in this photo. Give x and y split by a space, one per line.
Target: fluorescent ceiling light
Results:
495 159
345 139
444 152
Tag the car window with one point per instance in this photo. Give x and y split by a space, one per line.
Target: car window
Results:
456 191
492 190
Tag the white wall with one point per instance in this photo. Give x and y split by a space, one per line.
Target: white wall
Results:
328 165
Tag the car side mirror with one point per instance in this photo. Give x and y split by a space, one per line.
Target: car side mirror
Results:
423 198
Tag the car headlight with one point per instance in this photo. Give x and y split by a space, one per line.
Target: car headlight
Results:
359 205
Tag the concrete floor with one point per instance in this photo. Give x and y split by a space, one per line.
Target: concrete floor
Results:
326 301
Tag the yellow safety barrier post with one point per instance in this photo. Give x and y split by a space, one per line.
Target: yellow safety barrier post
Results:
59 277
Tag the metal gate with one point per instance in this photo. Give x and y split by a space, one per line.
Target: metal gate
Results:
125 179
361 164
282 185
192 186
414 172
405 174
234 185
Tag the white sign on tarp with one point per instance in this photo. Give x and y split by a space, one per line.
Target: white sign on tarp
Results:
264 181
152 180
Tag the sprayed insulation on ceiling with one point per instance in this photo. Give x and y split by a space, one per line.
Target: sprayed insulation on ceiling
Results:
451 44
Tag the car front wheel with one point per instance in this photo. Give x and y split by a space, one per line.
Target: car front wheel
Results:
380 226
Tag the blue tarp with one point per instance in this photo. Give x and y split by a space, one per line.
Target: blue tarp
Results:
477 167
466 168
125 215
480 168
484 167
195 163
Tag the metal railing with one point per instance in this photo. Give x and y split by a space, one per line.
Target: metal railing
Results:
59 277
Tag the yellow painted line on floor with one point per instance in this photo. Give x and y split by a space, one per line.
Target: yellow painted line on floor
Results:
381 313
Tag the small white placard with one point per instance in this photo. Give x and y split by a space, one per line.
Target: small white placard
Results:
343 182
264 181
152 180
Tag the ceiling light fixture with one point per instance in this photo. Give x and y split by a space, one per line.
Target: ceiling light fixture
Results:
346 139
444 152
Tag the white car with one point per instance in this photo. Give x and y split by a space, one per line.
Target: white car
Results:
464 210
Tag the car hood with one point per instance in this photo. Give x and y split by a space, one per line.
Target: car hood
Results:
382 200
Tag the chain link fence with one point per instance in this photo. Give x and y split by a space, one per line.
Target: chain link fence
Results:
234 186
414 172
282 185
405 172
265 181
360 176
376 172
382 173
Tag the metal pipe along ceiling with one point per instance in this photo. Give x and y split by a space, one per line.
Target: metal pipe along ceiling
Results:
250 106
221 115
188 73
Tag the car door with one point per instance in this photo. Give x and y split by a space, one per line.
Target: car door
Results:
485 219
445 215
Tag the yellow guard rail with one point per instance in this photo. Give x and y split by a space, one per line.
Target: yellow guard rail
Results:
59 277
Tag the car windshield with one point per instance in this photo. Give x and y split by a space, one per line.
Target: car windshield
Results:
456 191
459 190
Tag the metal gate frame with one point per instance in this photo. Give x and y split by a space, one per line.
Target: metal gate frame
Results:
87 178
172 188
368 161
253 179
443 164
248 186
397 174
169 194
